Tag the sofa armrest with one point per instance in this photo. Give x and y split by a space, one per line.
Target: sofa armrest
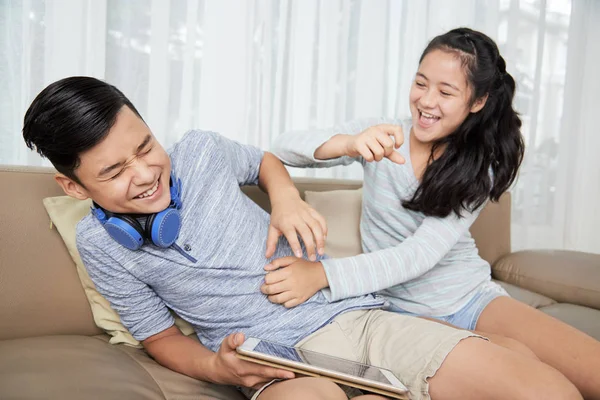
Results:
565 276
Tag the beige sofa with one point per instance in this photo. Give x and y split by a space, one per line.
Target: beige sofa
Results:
51 349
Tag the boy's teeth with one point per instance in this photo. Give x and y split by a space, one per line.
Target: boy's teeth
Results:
149 192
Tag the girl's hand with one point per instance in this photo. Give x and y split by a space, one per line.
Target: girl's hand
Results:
375 143
291 281
291 216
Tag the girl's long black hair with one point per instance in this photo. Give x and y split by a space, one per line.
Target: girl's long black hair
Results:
481 158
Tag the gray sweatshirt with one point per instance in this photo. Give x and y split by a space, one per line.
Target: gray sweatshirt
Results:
424 265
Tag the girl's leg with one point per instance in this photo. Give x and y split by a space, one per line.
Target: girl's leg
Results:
495 338
476 369
572 352
509 343
443 363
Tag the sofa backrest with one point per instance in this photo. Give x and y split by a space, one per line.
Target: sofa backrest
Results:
491 230
40 292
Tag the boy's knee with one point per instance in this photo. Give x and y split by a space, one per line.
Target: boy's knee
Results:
323 390
304 389
318 389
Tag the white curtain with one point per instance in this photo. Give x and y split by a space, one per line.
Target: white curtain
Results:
251 69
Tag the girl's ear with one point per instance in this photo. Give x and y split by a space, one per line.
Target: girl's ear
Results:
479 103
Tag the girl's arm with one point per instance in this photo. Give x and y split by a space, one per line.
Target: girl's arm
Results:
323 148
416 255
291 281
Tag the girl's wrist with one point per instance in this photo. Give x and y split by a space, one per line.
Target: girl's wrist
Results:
337 146
321 275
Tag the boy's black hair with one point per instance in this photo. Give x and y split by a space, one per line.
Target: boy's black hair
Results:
71 116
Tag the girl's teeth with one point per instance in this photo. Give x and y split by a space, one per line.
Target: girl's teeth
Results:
424 114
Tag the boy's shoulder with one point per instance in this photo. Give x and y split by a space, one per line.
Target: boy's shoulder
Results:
193 142
97 249
198 157
89 232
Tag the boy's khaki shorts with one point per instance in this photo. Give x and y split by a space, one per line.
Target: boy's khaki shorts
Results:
412 348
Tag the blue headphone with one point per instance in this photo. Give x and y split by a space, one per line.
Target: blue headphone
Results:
162 228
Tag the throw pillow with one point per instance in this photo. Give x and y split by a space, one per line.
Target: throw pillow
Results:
341 209
65 212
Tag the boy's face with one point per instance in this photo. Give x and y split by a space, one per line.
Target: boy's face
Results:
128 172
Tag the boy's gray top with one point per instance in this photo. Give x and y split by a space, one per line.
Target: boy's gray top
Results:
226 232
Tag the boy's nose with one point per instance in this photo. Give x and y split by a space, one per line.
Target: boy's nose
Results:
143 173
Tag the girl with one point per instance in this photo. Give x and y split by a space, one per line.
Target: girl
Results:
433 175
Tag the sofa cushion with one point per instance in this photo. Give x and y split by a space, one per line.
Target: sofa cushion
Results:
566 276
525 296
341 209
583 318
71 367
65 212
81 367
177 386
491 229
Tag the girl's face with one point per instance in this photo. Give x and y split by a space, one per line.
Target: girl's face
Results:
439 97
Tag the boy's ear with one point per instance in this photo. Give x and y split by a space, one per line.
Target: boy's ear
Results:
479 103
70 187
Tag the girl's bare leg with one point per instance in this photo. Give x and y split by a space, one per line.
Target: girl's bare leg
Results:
572 352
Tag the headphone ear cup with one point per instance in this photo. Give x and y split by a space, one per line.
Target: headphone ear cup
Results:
163 228
175 191
148 228
127 231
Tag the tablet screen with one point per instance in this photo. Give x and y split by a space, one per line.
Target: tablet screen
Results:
322 361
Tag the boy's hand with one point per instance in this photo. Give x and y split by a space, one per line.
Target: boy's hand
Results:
295 281
291 216
230 370
375 143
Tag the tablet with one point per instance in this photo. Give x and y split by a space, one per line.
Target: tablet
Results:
306 362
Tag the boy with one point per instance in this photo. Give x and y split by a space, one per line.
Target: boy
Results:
205 258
